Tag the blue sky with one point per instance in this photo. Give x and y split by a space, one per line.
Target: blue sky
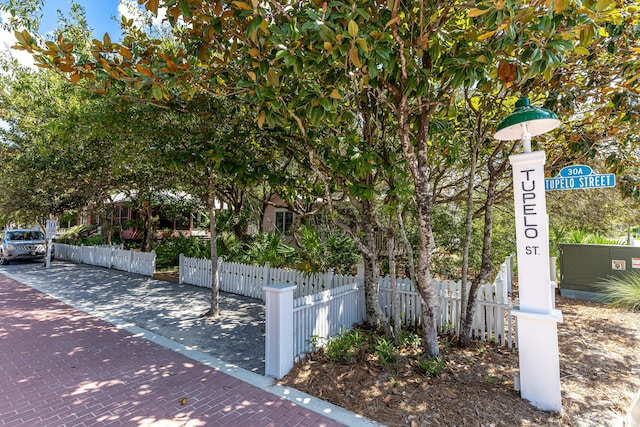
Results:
100 15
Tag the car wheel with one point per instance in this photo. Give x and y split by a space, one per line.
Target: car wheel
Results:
4 261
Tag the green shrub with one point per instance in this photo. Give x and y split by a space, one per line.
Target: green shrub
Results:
168 250
320 251
271 248
346 346
622 291
340 253
229 247
93 240
310 254
80 235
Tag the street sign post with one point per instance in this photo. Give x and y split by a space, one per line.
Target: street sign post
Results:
579 177
50 233
50 230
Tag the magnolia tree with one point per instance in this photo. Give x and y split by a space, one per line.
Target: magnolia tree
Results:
295 63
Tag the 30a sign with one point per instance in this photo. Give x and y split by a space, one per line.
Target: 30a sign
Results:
579 177
50 228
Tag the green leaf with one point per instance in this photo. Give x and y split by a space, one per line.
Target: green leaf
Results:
353 29
317 113
253 26
581 50
156 92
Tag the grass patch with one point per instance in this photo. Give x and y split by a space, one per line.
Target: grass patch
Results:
621 291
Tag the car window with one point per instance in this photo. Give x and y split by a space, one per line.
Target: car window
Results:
35 235
25 235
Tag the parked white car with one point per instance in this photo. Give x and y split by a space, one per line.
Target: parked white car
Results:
22 244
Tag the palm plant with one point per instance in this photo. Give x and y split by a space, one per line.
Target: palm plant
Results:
271 248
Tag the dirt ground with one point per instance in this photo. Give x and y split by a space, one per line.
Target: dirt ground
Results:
599 371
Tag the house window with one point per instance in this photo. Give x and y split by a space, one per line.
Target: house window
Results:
284 221
124 217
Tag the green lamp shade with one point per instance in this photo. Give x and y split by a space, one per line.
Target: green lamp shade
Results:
526 119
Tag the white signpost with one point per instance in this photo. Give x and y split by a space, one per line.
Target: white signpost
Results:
50 233
537 318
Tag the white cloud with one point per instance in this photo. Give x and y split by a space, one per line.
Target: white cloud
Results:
7 40
131 10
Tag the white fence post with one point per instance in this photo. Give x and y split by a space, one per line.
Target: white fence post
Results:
153 263
130 261
509 278
181 269
279 330
328 280
502 284
360 274
267 274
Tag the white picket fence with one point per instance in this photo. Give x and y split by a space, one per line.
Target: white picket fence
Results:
295 326
250 280
492 320
110 257
318 317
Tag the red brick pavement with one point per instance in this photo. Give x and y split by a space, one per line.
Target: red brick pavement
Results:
62 367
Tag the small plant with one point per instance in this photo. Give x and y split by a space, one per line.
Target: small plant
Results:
386 351
491 379
410 339
316 342
448 328
446 343
346 345
395 382
481 348
622 291
432 366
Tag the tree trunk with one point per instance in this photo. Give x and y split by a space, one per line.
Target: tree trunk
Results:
397 323
418 164
407 247
147 227
467 242
424 284
214 309
108 223
485 267
371 266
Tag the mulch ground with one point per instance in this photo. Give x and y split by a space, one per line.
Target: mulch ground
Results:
599 370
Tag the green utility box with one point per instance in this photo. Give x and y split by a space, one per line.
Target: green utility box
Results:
582 267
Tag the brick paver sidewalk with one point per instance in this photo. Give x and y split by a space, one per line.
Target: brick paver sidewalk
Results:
62 367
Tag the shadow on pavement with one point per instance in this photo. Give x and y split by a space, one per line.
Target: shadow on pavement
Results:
168 309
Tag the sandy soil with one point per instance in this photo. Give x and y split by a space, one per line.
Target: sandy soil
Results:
599 370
